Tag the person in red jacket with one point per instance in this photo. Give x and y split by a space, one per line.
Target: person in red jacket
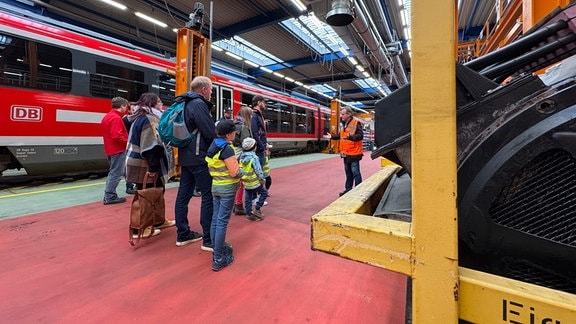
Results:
351 149
115 138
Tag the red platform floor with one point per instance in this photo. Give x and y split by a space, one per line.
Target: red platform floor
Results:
75 265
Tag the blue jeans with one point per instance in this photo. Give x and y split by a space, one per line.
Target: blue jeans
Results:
221 217
117 171
353 175
190 178
252 194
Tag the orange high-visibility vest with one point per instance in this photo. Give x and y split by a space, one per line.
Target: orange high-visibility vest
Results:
347 146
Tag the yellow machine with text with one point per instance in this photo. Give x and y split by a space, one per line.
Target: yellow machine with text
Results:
460 171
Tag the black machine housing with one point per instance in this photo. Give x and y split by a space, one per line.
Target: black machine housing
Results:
516 151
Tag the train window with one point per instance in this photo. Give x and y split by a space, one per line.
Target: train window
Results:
326 122
226 98
246 99
113 80
166 88
304 120
287 118
29 64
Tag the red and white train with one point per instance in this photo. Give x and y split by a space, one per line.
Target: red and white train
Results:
56 85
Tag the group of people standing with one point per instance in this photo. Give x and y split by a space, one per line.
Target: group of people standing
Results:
227 162
210 164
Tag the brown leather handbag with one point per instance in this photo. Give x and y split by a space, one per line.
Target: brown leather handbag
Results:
148 208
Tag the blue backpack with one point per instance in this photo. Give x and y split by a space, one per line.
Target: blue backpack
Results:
172 125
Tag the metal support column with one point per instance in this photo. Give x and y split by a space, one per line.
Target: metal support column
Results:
434 218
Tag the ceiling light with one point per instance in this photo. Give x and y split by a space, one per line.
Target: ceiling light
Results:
289 79
299 83
216 48
234 56
251 63
341 14
299 5
115 4
265 69
280 75
352 60
150 19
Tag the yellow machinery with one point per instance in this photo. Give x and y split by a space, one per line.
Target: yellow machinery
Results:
333 147
192 59
427 248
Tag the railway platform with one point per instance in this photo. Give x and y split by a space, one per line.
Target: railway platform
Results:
67 260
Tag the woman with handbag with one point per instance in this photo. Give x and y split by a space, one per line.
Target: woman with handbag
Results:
146 165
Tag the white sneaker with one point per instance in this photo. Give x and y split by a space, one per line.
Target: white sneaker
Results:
255 200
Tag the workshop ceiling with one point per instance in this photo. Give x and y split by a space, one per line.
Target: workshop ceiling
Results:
376 38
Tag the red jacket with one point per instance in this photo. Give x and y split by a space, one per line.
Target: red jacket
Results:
114 133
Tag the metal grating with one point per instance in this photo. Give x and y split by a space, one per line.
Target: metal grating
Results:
540 199
533 275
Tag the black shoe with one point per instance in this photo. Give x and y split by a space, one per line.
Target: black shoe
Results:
192 237
130 191
117 200
343 193
239 210
223 262
253 217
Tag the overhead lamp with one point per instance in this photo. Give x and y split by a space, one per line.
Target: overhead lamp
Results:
299 5
150 19
265 69
115 4
251 63
341 13
280 75
234 56
216 48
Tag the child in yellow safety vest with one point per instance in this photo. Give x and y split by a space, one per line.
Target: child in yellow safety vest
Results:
253 180
226 174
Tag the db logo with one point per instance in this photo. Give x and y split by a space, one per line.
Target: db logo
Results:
26 113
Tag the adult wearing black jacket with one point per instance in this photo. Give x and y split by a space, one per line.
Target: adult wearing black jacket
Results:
194 168
258 127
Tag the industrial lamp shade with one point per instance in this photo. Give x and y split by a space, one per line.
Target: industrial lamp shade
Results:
341 14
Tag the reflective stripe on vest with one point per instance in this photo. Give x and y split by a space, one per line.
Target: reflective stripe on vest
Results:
266 167
250 178
219 172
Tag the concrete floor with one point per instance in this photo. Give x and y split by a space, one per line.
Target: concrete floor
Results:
69 260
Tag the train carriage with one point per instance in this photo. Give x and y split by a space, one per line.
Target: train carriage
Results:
56 86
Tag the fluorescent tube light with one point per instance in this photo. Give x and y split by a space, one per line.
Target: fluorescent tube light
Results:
115 4
150 19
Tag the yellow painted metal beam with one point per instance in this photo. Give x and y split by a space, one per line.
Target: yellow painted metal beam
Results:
347 229
434 217
485 298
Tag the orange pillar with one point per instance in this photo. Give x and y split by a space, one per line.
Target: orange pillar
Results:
534 10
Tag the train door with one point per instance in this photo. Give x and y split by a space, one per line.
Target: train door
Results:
221 98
